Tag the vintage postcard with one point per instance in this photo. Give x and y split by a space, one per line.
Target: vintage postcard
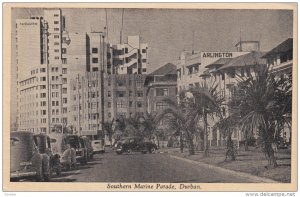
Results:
150 97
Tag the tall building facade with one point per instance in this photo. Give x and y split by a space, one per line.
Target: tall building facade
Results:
101 93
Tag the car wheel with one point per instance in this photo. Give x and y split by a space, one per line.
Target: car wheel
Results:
129 151
152 150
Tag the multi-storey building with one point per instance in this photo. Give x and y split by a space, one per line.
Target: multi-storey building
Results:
79 80
100 94
221 68
161 84
131 57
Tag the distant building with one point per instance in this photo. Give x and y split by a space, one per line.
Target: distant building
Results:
130 57
161 84
280 58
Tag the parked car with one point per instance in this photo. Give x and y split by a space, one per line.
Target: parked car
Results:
135 144
67 149
43 143
25 158
98 146
88 145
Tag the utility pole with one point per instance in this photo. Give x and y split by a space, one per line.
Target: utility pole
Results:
78 105
45 34
122 26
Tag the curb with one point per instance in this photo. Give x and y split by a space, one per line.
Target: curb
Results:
251 177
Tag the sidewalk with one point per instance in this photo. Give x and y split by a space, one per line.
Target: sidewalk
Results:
252 162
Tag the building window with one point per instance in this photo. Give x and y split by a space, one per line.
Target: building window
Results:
161 105
139 83
56 22
161 91
43 79
109 104
109 114
144 70
95 69
43 87
108 93
56 36
64 60
65 100
139 93
63 50
56 29
56 57
130 103
121 93
43 70
43 112
56 15
144 50
139 104
94 50
95 60
130 93
64 80
56 50
64 71
120 104
144 60
56 43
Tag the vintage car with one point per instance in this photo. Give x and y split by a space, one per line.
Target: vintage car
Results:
67 148
135 144
98 146
88 145
27 159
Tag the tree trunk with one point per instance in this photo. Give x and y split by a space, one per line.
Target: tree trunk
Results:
272 163
205 139
191 144
230 149
246 145
181 142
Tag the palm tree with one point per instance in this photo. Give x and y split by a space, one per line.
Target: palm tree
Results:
108 127
135 124
183 118
207 101
265 106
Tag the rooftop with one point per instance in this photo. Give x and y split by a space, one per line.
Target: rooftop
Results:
249 59
219 62
168 69
283 47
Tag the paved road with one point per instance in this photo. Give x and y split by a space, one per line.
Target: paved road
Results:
137 167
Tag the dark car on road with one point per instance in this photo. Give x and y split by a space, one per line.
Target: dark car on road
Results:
135 144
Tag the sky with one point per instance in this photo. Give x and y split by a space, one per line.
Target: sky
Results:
170 31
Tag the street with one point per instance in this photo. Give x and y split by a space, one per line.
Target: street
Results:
137 167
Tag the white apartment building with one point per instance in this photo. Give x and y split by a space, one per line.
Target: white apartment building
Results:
130 57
